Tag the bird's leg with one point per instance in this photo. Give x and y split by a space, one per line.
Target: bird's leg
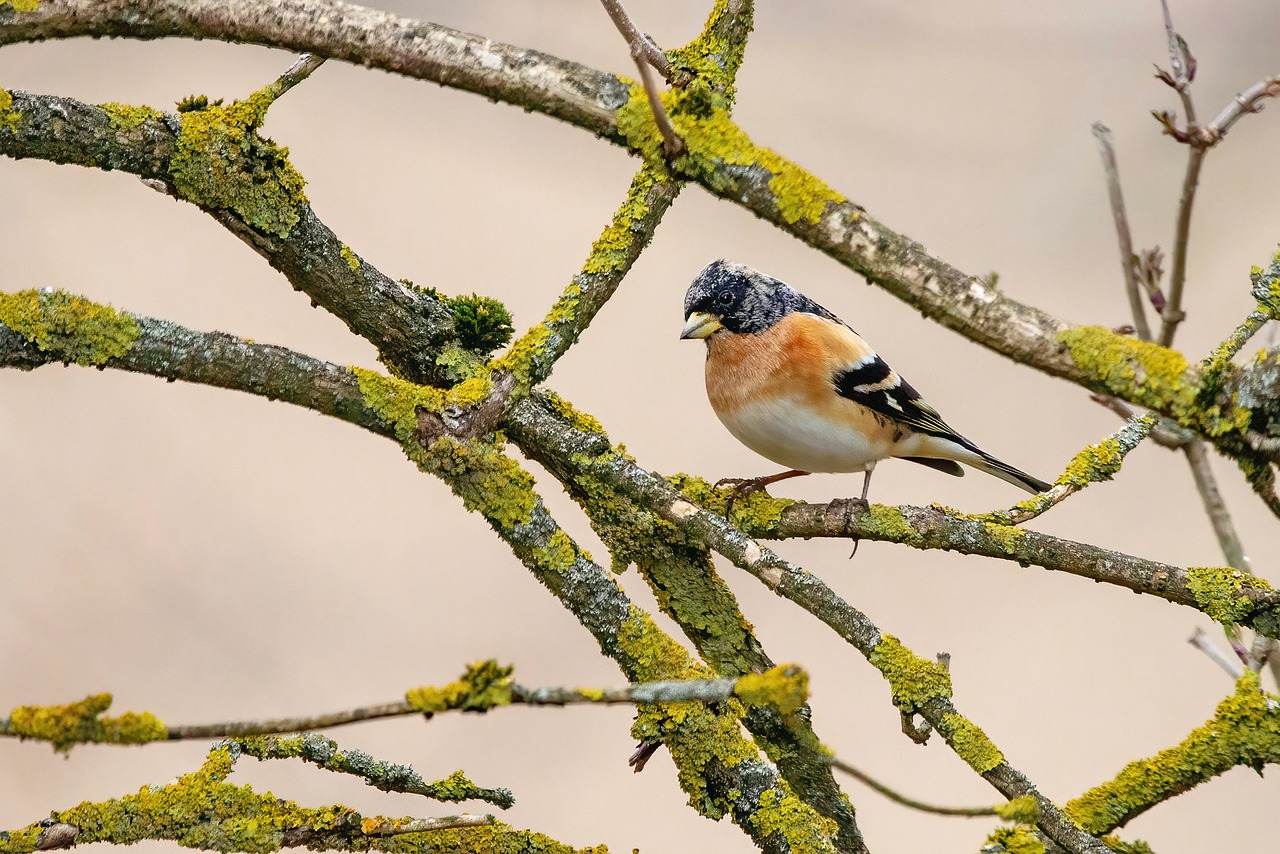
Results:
746 485
866 484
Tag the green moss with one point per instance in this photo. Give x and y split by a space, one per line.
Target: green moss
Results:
1007 537
971 743
81 723
1017 840
1023 810
72 328
1093 464
352 259
221 162
1245 730
22 5
194 103
486 684
1218 591
482 324
913 680
785 687
9 117
124 117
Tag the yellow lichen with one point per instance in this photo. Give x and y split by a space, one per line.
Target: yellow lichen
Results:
792 819
82 723
970 743
484 685
785 687
757 514
1218 592
1007 537
913 680
221 162
124 117
1017 840
887 523
22 5
10 118
72 328
1023 810
1245 730
352 259
558 554
1093 464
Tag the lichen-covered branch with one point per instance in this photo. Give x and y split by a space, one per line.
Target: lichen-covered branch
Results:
918 686
387 776
1245 730
216 160
690 590
344 31
202 810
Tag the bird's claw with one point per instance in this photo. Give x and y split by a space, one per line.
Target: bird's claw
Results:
742 487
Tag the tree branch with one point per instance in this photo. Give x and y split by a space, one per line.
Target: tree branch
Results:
910 803
1128 259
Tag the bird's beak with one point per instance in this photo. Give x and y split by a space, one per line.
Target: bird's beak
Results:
700 325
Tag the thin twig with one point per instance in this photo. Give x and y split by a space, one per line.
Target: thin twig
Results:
1128 261
641 45
896 797
672 143
1248 101
1173 313
1165 433
297 72
1229 663
646 54
1214 505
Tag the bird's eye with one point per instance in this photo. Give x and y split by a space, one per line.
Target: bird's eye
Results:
724 298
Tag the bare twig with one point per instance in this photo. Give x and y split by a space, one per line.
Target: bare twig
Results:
672 143
1165 433
642 47
1229 663
1248 101
899 798
1128 261
1173 313
299 71
646 54
1214 505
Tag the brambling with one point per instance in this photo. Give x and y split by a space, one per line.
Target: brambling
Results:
796 384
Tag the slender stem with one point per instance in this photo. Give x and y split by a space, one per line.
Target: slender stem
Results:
1214 505
422 825
899 798
297 72
1248 101
642 47
1173 313
1127 257
1228 663
672 144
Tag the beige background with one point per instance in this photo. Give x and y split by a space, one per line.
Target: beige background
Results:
208 555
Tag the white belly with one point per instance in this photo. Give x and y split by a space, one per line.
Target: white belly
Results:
793 436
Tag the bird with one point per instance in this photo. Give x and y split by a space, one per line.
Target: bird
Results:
797 385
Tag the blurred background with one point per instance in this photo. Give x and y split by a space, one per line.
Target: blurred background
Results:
208 555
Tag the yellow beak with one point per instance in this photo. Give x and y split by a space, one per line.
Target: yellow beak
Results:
700 325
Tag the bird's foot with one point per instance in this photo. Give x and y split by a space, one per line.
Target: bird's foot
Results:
742 487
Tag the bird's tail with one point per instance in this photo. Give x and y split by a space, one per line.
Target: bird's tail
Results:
989 464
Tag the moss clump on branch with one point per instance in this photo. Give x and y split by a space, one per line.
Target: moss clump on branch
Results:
482 324
82 723
222 162
72 328
483 686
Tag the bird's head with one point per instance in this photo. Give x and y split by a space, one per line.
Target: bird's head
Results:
735 298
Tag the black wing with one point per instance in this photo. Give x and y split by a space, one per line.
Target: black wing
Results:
878 387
